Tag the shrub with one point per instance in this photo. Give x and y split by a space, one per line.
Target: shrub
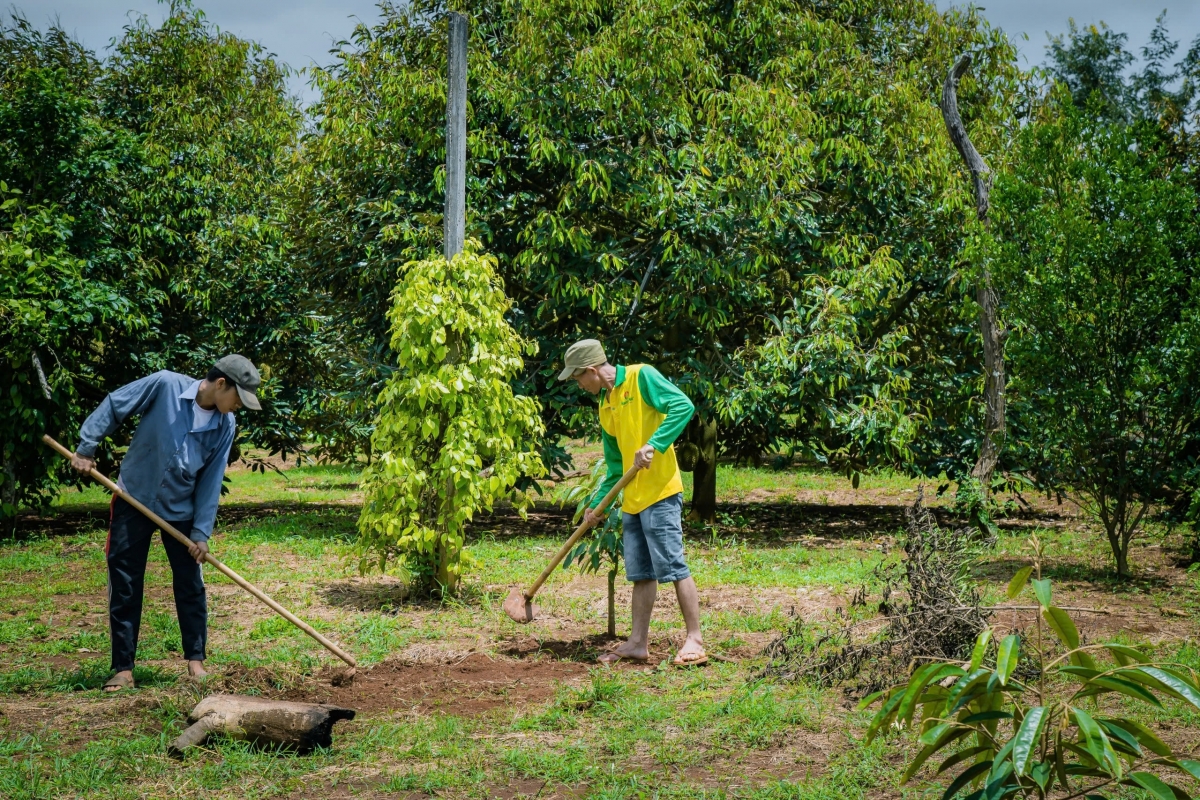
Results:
451 437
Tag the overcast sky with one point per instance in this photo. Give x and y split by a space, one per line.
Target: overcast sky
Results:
301 32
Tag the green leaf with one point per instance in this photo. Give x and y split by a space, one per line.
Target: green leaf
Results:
1152 784
1121 736
1042 774
1145 737
1125 655
945 738
1017 584
963 755
1176 683
980 651
965 777
931 736
884 715
997 784
1027 737
1128 688
1097 743
985 716
871 698
1006 658
1041 590
1062 625
923 676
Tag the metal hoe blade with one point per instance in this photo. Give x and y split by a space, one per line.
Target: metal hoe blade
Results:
519 608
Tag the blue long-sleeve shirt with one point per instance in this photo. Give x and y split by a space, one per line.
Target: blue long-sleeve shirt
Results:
174 470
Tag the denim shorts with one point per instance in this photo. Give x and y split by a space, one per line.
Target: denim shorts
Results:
654 542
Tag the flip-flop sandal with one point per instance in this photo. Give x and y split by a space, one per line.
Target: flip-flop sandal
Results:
119 683
700 659
612 658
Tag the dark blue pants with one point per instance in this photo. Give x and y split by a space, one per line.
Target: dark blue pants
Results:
129 536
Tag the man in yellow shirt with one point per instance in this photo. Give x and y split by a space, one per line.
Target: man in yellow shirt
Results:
641 415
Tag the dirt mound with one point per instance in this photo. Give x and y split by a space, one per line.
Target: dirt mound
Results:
469 687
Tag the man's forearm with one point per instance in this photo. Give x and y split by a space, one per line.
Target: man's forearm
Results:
117 406
99 424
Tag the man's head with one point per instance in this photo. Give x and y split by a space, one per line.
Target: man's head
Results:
234 380
582 363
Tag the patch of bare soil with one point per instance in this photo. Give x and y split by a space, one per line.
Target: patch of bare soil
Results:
469 687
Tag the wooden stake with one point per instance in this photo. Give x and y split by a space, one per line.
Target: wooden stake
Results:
456 137
170 530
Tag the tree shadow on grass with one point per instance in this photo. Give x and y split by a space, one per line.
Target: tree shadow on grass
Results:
762 524
382 594
55 523
585 649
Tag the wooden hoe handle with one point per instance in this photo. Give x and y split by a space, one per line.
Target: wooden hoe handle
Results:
583 528
233 576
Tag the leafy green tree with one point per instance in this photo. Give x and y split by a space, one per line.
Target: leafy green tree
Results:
730 156
203 214
1095 248
47 306
451 437
163 168
1095 64
56 156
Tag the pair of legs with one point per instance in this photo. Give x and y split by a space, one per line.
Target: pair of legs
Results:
129 537
637 646
653 544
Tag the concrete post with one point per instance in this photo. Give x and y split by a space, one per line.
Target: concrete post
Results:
456 137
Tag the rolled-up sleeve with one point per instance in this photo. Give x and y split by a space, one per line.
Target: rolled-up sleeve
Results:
208 489
132 398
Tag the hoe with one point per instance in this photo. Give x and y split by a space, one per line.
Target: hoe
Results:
519 605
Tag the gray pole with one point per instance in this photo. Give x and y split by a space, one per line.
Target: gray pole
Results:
456 137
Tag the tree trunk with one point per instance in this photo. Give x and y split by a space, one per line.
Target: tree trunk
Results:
704 476
1119 544
989 322
447 555
612 602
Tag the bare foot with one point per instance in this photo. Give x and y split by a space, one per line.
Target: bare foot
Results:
196 671
691 654
625 652
122 680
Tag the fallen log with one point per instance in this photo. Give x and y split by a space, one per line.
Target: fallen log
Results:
271 723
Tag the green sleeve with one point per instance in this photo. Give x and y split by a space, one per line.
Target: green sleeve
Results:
612 461
665 398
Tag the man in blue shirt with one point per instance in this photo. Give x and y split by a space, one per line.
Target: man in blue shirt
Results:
174 466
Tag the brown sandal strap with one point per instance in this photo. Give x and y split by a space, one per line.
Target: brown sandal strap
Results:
119 682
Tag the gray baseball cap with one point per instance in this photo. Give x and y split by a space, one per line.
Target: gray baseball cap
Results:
245 378
585 353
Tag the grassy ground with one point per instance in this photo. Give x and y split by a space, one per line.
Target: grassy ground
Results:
464 703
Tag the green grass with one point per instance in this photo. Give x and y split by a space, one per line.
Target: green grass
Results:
664 733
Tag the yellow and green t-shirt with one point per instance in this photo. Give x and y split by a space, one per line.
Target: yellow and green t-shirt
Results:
642 408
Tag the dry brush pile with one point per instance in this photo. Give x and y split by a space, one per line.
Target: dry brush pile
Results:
928 609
